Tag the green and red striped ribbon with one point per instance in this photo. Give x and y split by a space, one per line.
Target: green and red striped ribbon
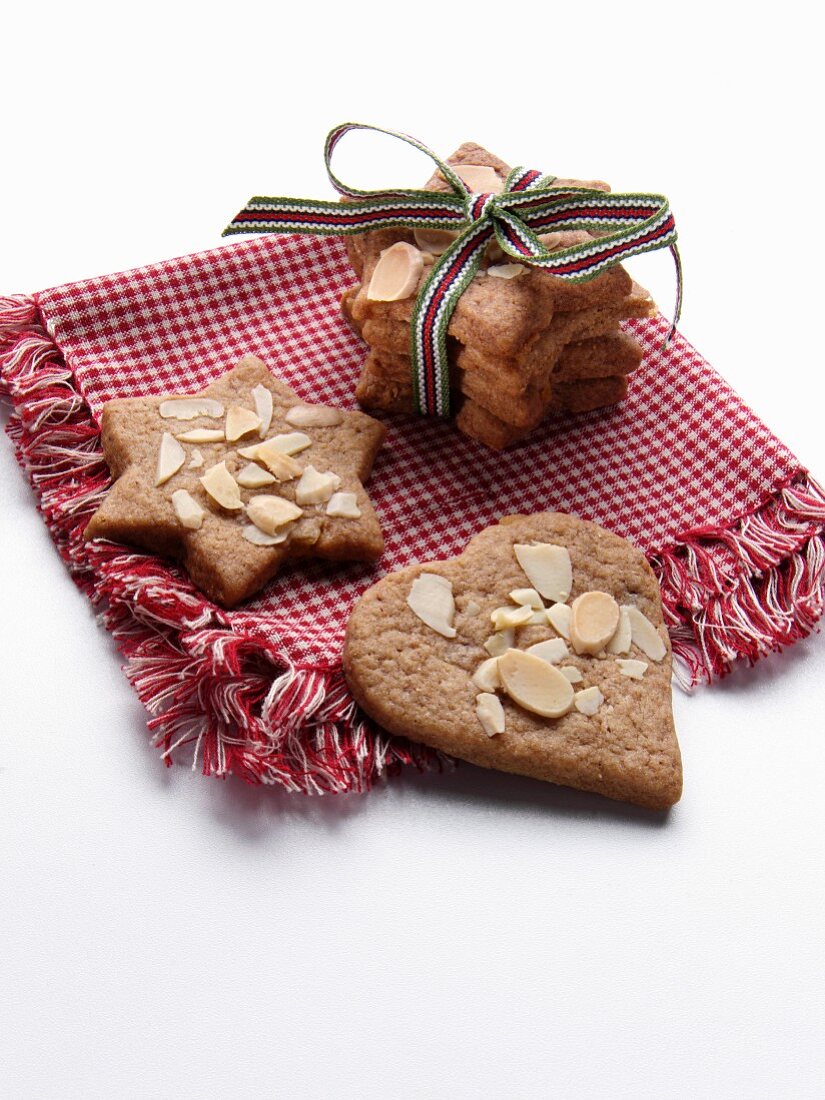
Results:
530 204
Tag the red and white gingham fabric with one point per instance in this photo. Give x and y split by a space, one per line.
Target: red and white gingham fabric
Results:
682 468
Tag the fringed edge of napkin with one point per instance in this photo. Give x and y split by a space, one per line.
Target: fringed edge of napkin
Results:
730 593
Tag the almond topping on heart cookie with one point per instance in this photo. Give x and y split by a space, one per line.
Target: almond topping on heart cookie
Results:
486 675
480 178
396 274
645 635
263 407
240 422
528 597
534 684
548 568
313 416
504 617
202 435
490 713
344 505
588 701
559 616
552 651
270 513
222 487
315 487
506 271
595 616
431 599
171 456
434 241
253 476
187 509
187 408
632 668
498 644
620 642
282 466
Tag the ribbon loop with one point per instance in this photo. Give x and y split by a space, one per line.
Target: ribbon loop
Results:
531 202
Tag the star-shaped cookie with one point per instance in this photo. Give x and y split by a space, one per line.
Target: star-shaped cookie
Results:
237 479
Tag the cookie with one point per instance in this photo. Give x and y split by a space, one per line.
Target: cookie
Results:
238 479
540 650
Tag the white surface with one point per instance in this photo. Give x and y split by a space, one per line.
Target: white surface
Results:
463 935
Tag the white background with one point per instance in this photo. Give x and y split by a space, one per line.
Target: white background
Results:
461 935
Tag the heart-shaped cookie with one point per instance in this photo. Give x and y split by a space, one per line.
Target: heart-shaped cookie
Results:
540 650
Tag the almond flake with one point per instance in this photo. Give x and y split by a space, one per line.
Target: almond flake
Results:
506 271
538 618
171 456
588 701
632 668
258 537
313 416
559 616
498 644
187 408
645 635
472 609
490 713
571 673
345 505
431 600
271 513
253 476
222 487
534 684
594 621
202 435
504 617
240 422
289 443
187 509
282 466
480 178
486 675
552 651
434 241
307 530
528 597
620 642
396 274
263 407
549 569
315 487
196 461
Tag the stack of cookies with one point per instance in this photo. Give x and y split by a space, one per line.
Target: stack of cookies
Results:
523 344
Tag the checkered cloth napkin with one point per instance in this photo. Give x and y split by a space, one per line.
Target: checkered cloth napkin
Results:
730 521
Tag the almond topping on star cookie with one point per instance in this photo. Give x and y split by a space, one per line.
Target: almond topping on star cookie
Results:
253 476
187 408
344 505
271 513
240 422
548 568
480 178
315 487
263 407
504 617
313 416
434 241
171 456
222 487
396 274
202 435
595 616
281 465
506 271
187 509
431 599
258 537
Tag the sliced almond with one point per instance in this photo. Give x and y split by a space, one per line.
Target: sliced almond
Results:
498 644
538 618
345 505
308 530
315 487
396 274
527 597
506 271
171 456
313 416
240 422
472 609
222 487
549 569
253 476
534 684
620 642
196 460
588 701
504 617
434 241
282 466
552 651
289 443
202 435
271 513
480 178
632 668
571 673
559 616
486 675
263 407
431 600
187 408
258 537
594 621
187 509
490 713
645 635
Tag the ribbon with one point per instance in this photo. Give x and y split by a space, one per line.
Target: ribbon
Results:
635 223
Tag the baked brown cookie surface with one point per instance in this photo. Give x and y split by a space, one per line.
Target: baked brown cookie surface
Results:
237 479
442 653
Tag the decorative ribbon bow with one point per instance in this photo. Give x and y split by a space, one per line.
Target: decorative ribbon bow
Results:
529 204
